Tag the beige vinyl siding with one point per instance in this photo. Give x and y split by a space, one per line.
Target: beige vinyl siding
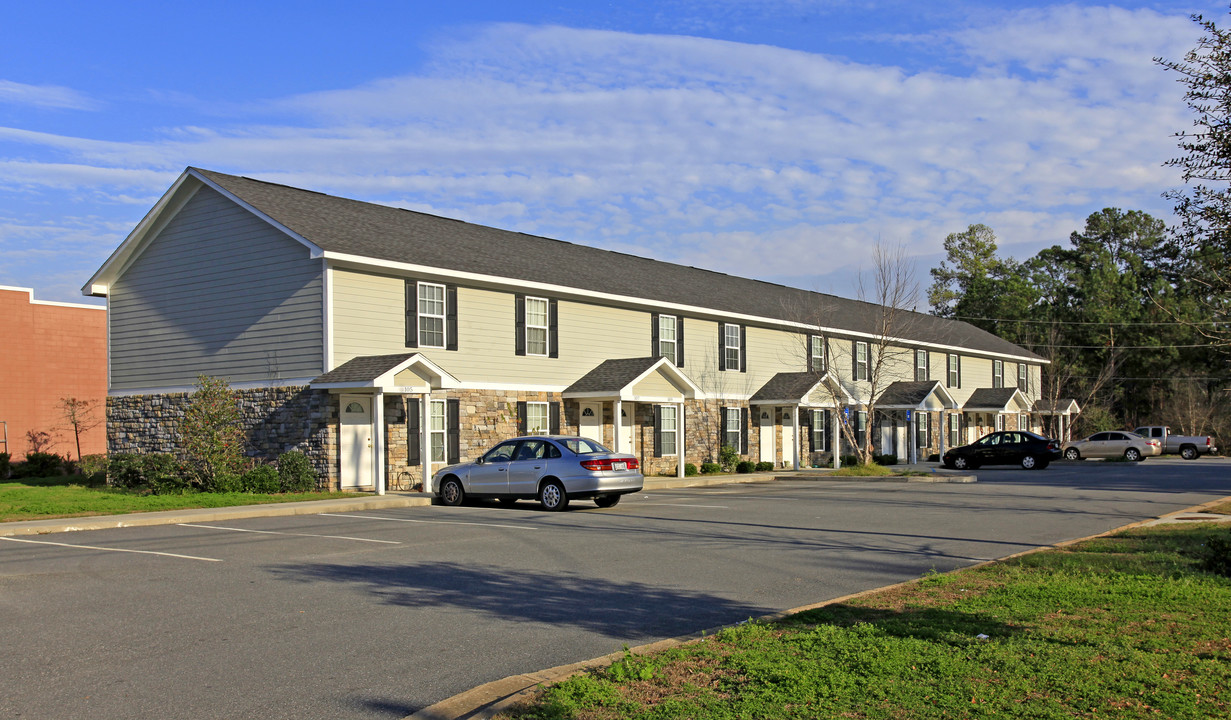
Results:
369 319
657 386
217 292
976 372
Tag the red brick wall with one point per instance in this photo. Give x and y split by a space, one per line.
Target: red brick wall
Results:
49 352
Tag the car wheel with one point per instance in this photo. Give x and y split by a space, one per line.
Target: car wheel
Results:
1132 454
1188 452
552 496
451 492
606 501
1029 462
1072 454
961 463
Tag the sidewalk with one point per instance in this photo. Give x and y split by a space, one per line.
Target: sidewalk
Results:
413 499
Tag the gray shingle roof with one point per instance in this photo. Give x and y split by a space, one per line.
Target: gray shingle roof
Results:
385 233
611 375
989 398
784 386
363 368
906 393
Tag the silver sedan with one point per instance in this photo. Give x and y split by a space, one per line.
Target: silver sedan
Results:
550 468
1112 444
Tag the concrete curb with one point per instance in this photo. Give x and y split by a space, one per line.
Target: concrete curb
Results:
491 698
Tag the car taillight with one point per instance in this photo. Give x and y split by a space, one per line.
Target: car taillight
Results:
608 463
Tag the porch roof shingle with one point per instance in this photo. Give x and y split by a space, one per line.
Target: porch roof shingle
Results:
363 368
611 375
990 398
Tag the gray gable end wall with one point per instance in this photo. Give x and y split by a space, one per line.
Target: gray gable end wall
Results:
217 292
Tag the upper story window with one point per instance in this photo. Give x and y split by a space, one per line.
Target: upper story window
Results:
732 347
816 353
431 315
997 373
861 360
955 371
536 326
1023 377
922 371
666 337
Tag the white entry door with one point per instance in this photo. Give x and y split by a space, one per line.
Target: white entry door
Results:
591 424
788 438
356 441
628 428
767 434
887 436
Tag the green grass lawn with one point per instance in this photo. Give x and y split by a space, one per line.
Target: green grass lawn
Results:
57 497
1129 626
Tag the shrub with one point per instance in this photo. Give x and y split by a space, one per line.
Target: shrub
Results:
1215 554
5 466
727 457
295 472
94 468
42 464
885 459
745 466
765 466
262 479
168 484
848 460
689 469
709 468
210 432
226 482
157 471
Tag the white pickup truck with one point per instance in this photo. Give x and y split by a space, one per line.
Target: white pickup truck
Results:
1187 446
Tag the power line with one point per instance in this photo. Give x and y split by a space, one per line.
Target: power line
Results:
1090 322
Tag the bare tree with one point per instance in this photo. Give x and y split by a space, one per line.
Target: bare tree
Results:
81 416
891 294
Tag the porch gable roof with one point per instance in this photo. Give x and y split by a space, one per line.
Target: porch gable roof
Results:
914 394
1062 406
793 388
997 400
616 380
381 371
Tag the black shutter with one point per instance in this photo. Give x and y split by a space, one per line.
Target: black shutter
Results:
553 333
519 343
826 429
553 418
679 341
658 431
959 371
521 417
414 432
450 317
743 434
412 314
809 362
654 335
743 348
722 347
722 427
854 360
453 431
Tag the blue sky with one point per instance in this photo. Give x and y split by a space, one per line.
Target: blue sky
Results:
772 139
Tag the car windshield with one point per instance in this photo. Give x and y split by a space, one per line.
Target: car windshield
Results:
582 446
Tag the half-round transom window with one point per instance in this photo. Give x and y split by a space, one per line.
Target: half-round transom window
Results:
355 408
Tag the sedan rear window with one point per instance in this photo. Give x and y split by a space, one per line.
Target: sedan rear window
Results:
583 446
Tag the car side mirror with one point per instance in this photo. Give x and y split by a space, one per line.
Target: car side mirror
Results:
479 461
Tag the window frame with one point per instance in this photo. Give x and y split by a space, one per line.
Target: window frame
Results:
955 430
432 432
820 429
667 323
442 317
531 408
998 422
955 370
1023 377
923 371
923 428
732 427
731 331
997 373
816 354
862 367
667 434
545 327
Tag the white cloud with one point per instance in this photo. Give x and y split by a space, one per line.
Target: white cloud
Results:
743 158
44 96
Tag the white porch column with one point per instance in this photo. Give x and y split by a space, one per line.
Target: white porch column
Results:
378 439
617 408
913 436
679 440
837 437
425 439
944 431
798 431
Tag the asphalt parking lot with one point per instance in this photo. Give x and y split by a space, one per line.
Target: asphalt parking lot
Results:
377 614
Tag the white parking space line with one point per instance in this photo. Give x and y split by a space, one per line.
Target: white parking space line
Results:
708 507
95 547
428 522
271 532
